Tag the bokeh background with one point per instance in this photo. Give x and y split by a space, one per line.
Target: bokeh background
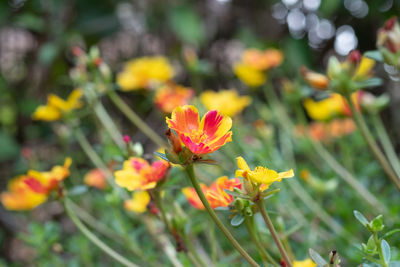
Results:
36 40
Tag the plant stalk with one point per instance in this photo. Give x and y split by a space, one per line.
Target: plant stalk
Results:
135 119
265 256
190 172
274 234
104 247
380 157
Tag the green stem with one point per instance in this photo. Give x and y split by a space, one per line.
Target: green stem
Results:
287 125
94 157
378 243
112 253
192 251
265 256
160 205
274 234
373 146
135 119
213 242
108 124
190 172
386 143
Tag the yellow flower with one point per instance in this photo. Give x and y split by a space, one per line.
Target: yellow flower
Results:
249 75
326 108
56 106
138 203
304 263
364 69
260 175
228 102
142 72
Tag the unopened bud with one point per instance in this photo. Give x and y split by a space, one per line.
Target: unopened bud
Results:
334 258
239 203
314 79
174 141
97 61
127 139
77 51
354 57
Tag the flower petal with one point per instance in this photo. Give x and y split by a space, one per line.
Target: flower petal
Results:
215 124
242 164
287 174
184 119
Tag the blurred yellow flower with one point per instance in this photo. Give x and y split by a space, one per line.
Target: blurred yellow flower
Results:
142 72
170 96
325 108
139 202
314 79
138 174
20 197
364 69
260 175
304 263
249 75
56 106
228 102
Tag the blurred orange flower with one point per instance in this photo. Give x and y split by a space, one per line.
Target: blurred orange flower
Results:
215 193
20 197
200 137
262 60
138 174
96 178
26 192
171 96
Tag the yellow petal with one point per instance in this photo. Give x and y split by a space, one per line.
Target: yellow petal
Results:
242 164
288 174
46 113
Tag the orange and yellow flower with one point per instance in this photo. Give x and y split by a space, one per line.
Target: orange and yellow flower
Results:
228 102
20 197
139 202
254 63
28 191
214 193
138 174
171 96
260 175
200 137
56 107
142 73
262 60
96 178
304 263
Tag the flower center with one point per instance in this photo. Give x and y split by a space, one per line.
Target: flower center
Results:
198 136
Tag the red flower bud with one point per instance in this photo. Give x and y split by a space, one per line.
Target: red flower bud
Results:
127 139
98 61
354 57
174 141
77 51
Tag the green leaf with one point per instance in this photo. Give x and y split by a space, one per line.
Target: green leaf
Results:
236 194
360 217
375 55
373 82
187 25
316 258
237 220
269 194
222 208
394 264
161 155
385 251
9 147
391 233
77 190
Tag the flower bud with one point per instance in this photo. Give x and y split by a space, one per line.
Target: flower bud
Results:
314 79
334 67
239 205
354 57
389 35
174 141
334 258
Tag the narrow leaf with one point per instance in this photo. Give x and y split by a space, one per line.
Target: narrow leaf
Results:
360 217
237 220
317 258
161 155
374 54
391 233
236 194
385 251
